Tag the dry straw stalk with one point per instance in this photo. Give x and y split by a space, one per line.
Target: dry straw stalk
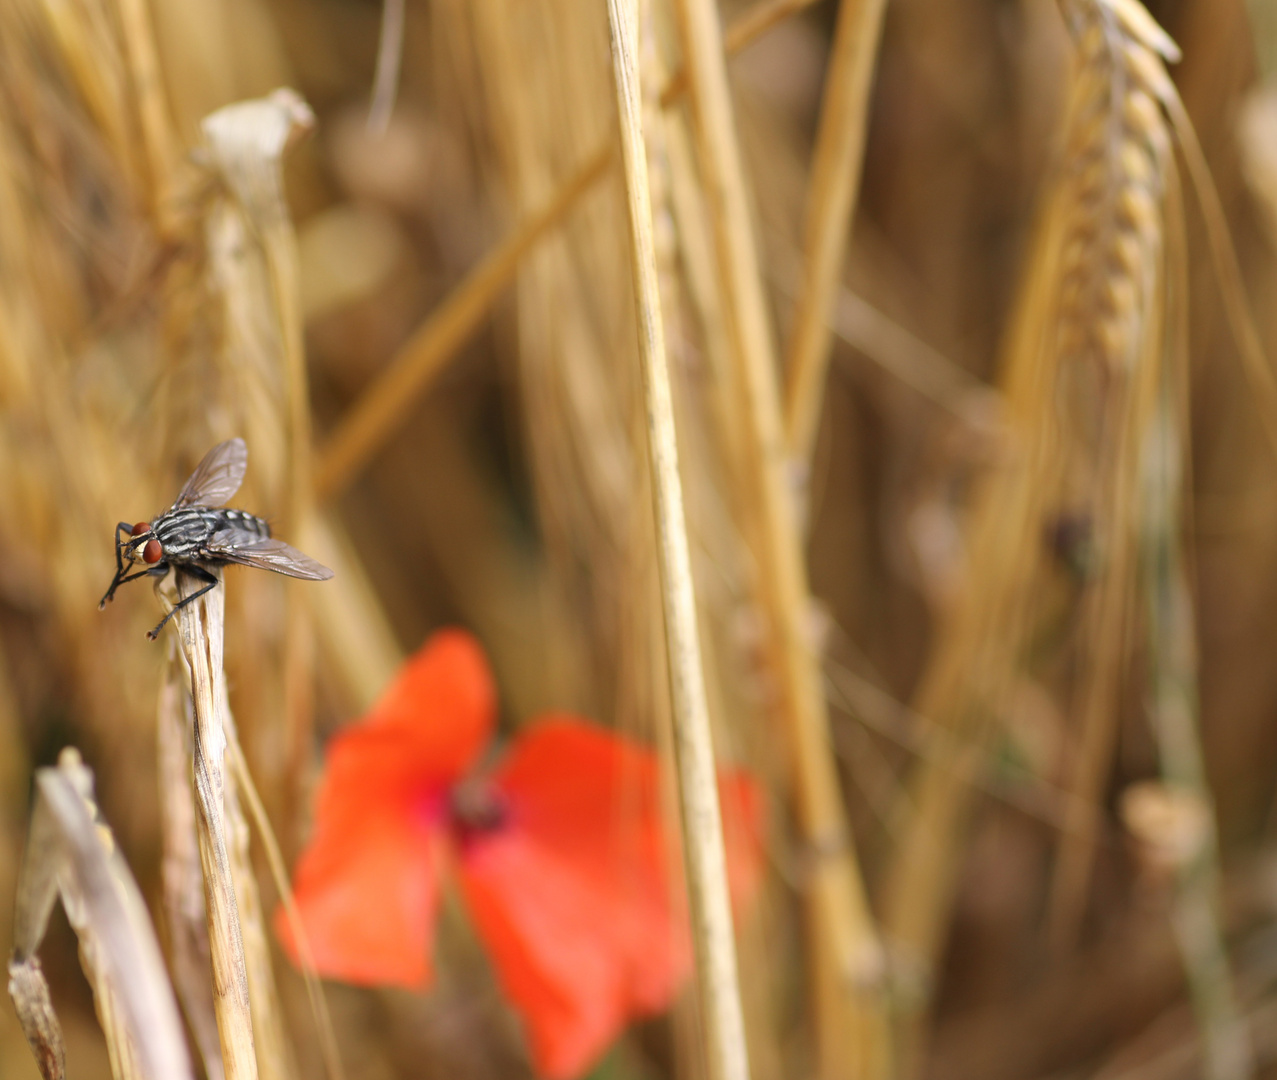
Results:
693 746
845 954
72 855
835 180
200 636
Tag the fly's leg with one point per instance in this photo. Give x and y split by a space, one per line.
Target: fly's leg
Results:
199 573
150 570
123 526
119 578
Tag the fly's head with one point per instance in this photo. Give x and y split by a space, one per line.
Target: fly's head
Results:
143 545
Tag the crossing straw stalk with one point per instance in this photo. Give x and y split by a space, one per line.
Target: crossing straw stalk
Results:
716 968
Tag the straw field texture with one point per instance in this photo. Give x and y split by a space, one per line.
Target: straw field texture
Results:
878 396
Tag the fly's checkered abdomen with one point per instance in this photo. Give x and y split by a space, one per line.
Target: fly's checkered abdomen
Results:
248 522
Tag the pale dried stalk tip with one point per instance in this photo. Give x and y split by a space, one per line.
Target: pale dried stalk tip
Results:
71 855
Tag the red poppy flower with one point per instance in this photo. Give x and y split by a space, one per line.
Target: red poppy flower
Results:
560 852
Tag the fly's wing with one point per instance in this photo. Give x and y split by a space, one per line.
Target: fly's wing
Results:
266 553
217 477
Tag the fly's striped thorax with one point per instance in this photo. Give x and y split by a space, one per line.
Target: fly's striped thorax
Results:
185 534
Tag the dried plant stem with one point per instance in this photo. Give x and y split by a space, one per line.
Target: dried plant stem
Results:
200 636
182 877
246 143
70 853
274 1054
693 747
840 144
744 31
845 952
388 401
152 108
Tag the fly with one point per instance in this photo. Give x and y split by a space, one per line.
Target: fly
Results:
197 533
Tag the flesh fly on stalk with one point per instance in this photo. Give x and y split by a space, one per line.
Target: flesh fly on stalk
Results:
196 534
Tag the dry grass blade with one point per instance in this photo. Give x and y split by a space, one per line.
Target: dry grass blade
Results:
693 746
184 897
200 630
835 181
30 994
386 404
72 855
845 953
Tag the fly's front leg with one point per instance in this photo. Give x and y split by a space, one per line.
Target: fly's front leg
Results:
148 572
197 572
123 526
119 578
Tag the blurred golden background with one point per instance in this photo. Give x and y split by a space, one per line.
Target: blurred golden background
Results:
1028 828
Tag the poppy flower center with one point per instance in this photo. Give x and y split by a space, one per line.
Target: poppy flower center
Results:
477 807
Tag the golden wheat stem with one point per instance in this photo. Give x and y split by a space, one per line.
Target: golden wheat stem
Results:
386 404
693 746
835 180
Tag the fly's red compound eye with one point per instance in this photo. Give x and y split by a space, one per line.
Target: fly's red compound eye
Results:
139 529
152 552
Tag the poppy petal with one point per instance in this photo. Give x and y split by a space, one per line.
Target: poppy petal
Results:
367 884
741 800
368 910
572 896
444 699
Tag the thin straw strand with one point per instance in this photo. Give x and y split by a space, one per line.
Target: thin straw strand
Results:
693 748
